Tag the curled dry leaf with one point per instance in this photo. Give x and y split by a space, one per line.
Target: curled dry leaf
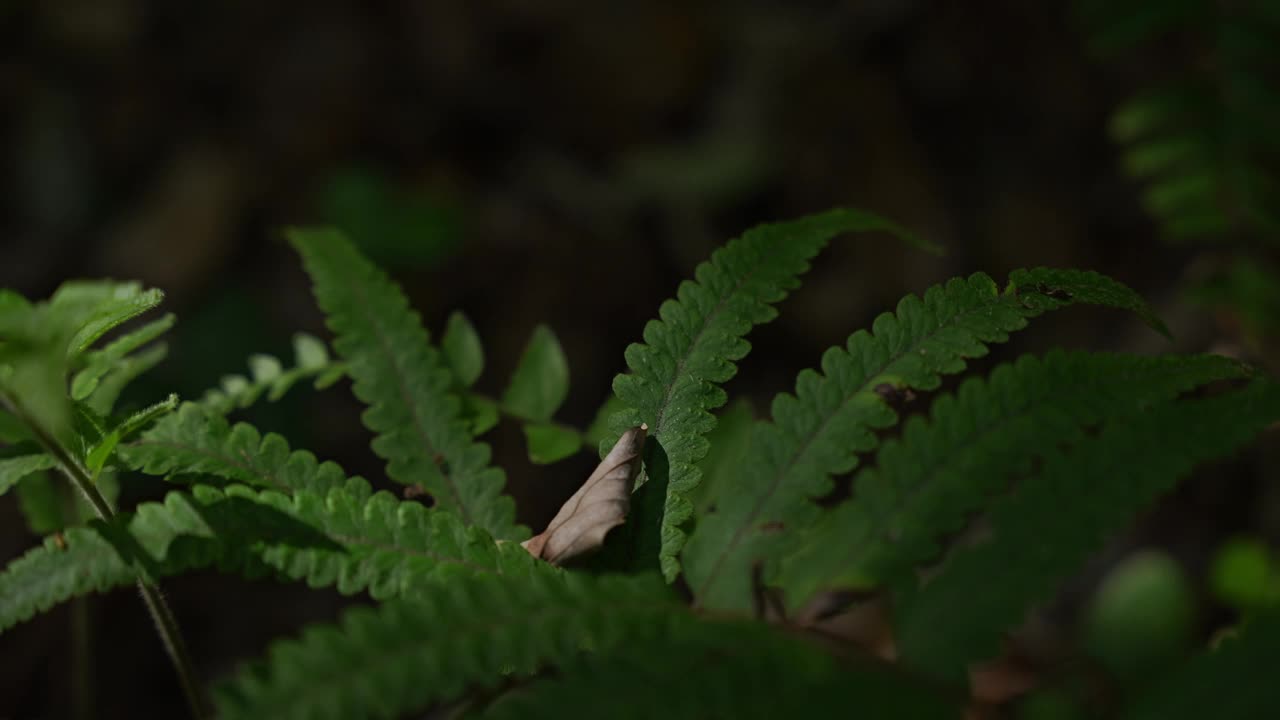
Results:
600 505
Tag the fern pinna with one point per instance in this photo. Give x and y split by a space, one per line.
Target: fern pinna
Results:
1200 138
1033 465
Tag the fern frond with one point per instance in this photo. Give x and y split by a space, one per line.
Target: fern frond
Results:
1234 681
78 562
927 482
406 385
194 442
100 362
405 656
1202 142
818 432
15 468
690 351
91 308
1050 524
111 385
722 670
349 538
270 378
43 341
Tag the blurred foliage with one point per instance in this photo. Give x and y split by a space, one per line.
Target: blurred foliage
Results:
1051 705
394 225
1200 137
1245 575
1248 289
1142 618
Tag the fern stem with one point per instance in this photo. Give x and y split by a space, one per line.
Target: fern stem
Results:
166 623
171 636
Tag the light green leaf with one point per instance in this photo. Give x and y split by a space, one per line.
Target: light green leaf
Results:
481 413
540 382
309 352
549 442
100 452
146 416
101 362
104 398
1244 575
270 378
462 349
14 469
193 441
99 306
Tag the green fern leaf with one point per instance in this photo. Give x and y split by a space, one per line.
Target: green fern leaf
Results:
462 349
348 538
926 483
94 307
111 385
78 562
193 442
692 349
14 469
1202 143
1050 524
1234 681
819 431
406 656
100 362
406 385
34 341
722 670
270 378
540 382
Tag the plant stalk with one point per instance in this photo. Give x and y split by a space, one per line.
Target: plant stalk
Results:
166 623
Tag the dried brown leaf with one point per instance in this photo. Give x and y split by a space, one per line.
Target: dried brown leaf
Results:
600 505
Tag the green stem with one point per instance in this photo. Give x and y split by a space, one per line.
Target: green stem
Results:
166 623
171 635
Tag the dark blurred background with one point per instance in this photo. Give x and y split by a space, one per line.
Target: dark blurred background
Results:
555 162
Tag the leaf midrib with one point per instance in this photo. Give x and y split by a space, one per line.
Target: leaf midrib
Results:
398 372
